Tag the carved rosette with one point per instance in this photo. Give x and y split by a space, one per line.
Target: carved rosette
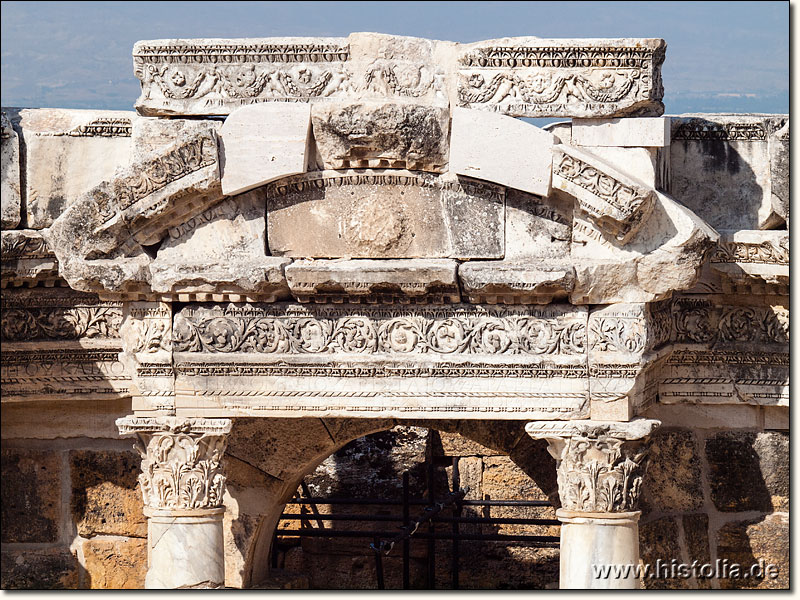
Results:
181 460
600 464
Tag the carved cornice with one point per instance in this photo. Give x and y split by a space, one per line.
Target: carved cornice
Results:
181 460
600 464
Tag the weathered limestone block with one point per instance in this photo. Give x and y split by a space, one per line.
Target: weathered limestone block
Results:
41 569
100 239
522 77
674 478
385 214
10 190
352 360
722 168
727 352
761 542
26 259
262 143
60 344
115 564
535 77
221 250
31 496
381 135
625 133
502 150
749 471
659 541
509 283
537 229
104 499
152 135
616 202
67 153
373 280
665 255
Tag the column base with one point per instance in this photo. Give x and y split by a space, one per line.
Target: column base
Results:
596 549
185 548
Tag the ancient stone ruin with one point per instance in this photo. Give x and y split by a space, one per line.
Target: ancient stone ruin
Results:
293 243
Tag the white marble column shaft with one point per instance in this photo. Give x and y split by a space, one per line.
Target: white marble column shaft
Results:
600 469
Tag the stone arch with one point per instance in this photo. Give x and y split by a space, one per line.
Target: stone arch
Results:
293 448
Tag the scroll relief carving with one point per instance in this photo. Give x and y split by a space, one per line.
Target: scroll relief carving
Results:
214 77
559 80
698 321
66 318
614 205
469 330
702 129
600 465
181 460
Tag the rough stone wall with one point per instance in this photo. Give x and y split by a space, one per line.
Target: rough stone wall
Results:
713 494
72 515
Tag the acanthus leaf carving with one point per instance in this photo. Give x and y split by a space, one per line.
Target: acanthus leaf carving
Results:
181 460
600 464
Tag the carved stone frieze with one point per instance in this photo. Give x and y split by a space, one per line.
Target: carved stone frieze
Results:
181 460
516 76
531 77
600 464
26 260
356 360
291 329
59 344
146 335
64 315
616 203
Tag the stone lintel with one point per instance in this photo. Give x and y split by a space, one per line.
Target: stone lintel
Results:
519 77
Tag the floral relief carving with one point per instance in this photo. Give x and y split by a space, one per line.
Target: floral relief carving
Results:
62 323
599 469
618 334
439 334
181 463
766 252
699 322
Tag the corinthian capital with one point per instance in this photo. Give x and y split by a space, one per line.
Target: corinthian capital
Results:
600 464
181 460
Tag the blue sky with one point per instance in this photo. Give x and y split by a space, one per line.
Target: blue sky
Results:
721 56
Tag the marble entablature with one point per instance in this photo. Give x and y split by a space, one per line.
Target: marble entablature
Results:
371 233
